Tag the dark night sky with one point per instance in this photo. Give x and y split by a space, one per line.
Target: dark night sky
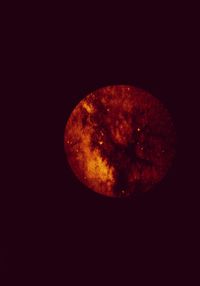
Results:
68 229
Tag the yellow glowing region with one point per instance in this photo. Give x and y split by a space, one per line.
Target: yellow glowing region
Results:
98 168
88 107
98 174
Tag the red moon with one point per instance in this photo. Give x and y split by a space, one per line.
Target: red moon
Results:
119 140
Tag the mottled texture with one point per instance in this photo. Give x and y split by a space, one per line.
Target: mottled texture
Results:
119 140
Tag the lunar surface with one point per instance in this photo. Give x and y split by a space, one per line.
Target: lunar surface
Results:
119 140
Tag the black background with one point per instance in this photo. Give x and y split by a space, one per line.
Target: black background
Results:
63 230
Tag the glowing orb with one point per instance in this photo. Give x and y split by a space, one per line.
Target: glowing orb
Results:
119 140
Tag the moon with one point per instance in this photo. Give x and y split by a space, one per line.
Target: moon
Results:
119 140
